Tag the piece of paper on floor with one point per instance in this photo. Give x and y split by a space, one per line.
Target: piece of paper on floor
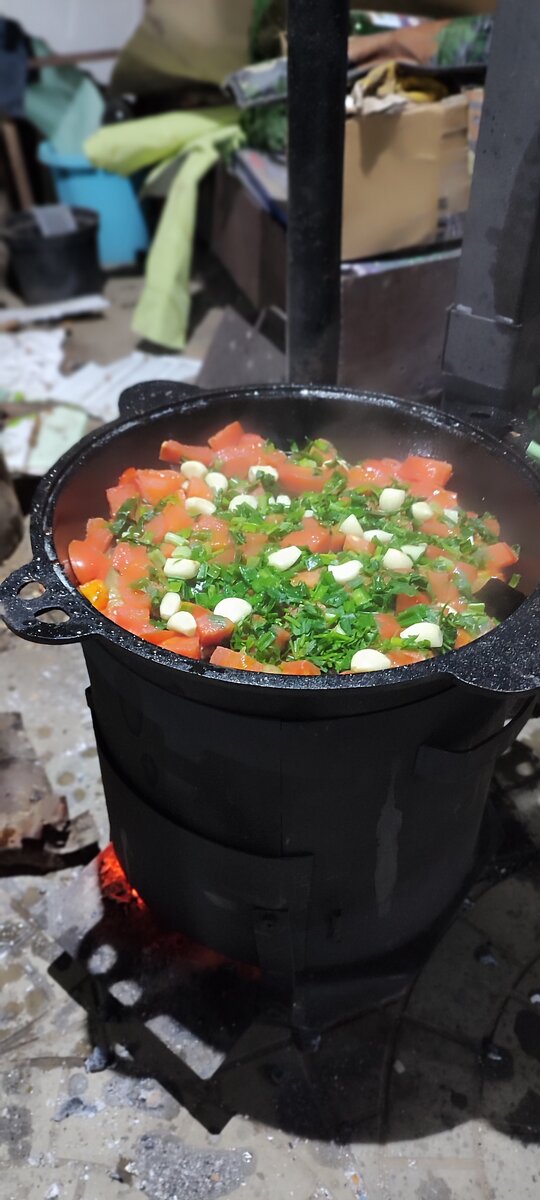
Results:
97 388
30 362
30 365
31 443
78 305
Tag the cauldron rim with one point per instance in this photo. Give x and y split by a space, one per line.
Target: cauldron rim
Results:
497 662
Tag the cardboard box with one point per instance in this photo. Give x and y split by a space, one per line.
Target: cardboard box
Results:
393 314
406 178
406 184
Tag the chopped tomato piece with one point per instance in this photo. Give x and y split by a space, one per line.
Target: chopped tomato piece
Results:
156 485
98 532
435 528
403 601
360 545
282 638
216 529
312 534
310 578
128 476
190 647
235 461
228 436
441 586
200 489
463 639
131 612
240 661
97 593
416 467
337 540
130 561
227 555
499 555
252 439
211 630
295 478
254 545
87 561
158 637
175 452
468 570
172 519
219 537
116 496
443 498
372 473
391 465
405 658
492 524
301 666
136 620
275 458
387 625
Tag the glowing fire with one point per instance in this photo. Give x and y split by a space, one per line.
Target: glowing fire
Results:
113 880
115 887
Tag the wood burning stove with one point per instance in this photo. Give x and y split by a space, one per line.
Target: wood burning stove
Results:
321 828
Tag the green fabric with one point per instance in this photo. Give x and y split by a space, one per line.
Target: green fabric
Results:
194 141
266 127
465 41
269 19
64 104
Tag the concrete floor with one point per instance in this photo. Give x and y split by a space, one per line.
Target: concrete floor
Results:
434 1097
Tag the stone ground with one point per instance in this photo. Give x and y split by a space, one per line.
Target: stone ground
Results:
434 1097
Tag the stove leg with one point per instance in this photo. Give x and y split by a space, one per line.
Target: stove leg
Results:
279 966
73 976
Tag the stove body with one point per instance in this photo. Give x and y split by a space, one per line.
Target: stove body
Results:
329 853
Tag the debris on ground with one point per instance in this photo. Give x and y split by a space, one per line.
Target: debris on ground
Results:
36 832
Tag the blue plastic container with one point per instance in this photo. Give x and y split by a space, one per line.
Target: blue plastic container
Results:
123 232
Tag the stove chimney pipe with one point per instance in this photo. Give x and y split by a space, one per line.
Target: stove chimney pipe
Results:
317 64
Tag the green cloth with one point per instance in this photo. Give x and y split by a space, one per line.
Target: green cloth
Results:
465 42
64 104
193 141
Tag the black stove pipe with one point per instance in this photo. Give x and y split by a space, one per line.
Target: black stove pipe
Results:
317 58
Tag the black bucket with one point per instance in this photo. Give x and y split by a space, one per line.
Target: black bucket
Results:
45 269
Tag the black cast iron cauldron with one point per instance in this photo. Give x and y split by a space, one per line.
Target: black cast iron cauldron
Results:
314 826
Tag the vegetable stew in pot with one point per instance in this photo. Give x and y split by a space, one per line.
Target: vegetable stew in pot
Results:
294 562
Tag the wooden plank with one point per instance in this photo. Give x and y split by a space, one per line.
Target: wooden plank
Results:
17 164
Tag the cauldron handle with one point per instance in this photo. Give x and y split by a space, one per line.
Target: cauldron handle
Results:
499 422
143 398
50 613
439 763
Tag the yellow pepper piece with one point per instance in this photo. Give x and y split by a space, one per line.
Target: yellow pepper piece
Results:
96 593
